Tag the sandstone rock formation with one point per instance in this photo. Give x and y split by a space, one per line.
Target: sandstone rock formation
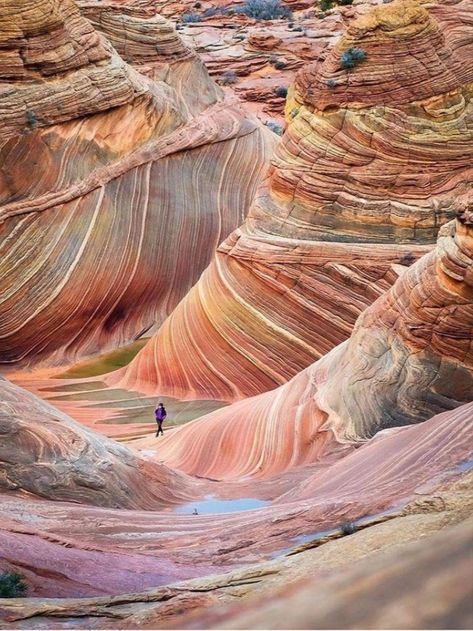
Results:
409 357
114 188
67 549
370 166
44 453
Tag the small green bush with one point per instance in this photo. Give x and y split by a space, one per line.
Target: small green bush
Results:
274 127
228 77
348 528
188 18
326 5
281 91
351 57
279 65
265 9
345 3
12 585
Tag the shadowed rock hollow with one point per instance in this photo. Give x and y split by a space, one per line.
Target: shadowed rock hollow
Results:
114 188
369 168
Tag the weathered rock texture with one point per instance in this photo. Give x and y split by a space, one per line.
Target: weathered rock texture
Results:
364 176
410 356
45 453
114 188
67 550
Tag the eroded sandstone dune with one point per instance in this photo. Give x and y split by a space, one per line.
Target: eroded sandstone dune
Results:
371 165
46 454
410 356
114 188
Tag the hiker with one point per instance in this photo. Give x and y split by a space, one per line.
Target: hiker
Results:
195 512
160 414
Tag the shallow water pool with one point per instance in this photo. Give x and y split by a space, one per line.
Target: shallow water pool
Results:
211 506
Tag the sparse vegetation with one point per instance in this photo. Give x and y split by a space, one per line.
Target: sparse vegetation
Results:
326 5
31 119
348 528
345 3
279 65
275 127
12 585
228 77
281 91
264 9
351 57
197 5
189 18
331 83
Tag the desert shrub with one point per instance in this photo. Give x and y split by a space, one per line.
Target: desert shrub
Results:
197 5
12 585
407 259
188 18
290 25
275 127
281 91
228 77
209 13
326 5
279 65
345 3
352 57
331 83
264 9
31 119
348 528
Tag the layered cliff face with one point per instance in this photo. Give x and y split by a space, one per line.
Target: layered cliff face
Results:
114 190
410 356
46 454
369 168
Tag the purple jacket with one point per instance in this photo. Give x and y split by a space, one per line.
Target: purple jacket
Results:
160 414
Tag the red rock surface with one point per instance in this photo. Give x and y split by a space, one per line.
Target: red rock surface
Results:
352 196
107 216
410 356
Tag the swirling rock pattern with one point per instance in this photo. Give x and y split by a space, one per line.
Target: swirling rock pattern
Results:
113 194
47 454
69 548
357 190
410 356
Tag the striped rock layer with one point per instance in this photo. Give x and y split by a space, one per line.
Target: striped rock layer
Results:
114 189
46 454
409 357
368 169
67 549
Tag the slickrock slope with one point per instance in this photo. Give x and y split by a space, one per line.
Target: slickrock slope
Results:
113 191
410 356
414 466
45 453
367 171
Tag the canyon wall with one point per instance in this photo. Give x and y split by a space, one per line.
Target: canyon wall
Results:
114 188
371 165
410 356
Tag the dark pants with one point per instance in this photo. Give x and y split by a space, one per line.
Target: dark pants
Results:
160 428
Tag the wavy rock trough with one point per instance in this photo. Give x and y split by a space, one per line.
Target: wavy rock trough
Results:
371 165
409 357
46 454
114 188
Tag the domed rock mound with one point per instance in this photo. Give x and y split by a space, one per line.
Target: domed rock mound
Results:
369 168
45 453
409 357
114 190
